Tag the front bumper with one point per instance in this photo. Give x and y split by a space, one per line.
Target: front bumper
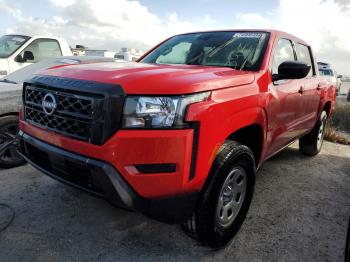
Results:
103 180
128 148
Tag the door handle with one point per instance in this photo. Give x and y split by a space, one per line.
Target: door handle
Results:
301 90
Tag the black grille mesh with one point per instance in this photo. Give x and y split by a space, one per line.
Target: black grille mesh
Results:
75 115
87 110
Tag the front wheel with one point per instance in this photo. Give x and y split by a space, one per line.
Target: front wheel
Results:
9 156
226 196
311 144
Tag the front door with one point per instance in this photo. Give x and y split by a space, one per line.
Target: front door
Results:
284 102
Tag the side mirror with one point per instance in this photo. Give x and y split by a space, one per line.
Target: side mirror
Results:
19 59
339 76
291 70
28 55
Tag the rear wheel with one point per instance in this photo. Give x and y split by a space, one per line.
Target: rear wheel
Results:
9 156
311 144
226 196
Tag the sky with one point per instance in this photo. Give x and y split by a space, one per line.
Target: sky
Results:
112 24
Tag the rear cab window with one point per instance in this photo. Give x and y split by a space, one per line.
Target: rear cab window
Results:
43 48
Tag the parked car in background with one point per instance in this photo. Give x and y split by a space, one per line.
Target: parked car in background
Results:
326 70
180 134
18 51
11 101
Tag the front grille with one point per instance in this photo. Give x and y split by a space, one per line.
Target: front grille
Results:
70 127
84 110
66 103
74 116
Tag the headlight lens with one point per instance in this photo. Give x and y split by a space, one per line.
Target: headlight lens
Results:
159 111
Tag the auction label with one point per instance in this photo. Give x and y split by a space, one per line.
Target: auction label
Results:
248 35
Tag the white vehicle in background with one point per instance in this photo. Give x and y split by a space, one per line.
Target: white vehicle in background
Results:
128 54
326 70
18 51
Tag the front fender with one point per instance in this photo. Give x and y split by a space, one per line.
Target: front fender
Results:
10 105
218 120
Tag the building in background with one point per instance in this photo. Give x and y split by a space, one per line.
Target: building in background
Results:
97 52
128 54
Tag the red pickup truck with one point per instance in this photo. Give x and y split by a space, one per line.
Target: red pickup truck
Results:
180 134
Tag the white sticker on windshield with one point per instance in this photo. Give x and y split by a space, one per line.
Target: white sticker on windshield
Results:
18 39
248 35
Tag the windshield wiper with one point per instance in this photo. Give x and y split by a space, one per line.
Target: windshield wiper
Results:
227 66
5 80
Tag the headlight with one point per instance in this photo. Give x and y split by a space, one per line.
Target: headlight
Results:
158 111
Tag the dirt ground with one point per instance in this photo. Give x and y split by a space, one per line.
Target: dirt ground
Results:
300 212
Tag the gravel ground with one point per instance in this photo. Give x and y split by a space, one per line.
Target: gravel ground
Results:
299 212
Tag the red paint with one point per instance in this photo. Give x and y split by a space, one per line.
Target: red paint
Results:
238 99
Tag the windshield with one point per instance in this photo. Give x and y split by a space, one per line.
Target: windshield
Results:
10 43
238 50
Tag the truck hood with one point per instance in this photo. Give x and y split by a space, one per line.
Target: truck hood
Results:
141 78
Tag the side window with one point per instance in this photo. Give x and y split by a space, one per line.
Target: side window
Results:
304 55
43 48
284 52
177 55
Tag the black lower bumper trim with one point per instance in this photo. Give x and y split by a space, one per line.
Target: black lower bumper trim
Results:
156 168
103 180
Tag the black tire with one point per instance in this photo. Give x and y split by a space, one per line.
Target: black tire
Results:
205 223
311 144
10 157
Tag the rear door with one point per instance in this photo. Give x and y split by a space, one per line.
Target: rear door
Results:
284 103
310 90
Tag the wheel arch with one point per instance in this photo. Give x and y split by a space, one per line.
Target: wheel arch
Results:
9 114
328 108
251 136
